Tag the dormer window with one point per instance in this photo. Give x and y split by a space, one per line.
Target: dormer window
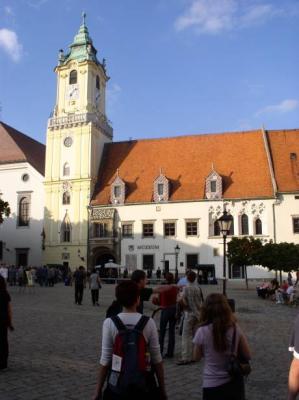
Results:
161 188
214 186
118 191
73 77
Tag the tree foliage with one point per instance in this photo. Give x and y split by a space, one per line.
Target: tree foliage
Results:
244 252
4 210
274 256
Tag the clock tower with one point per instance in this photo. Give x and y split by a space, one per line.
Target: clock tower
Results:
77 131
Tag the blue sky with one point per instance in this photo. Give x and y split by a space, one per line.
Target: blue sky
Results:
177 66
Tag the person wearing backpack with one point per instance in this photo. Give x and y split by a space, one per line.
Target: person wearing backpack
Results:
130 359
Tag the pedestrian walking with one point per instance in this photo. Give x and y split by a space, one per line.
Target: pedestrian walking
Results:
5 322
191 301
167 302
94 285
80 282
215 340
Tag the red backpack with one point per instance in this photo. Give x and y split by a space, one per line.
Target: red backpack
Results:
130 372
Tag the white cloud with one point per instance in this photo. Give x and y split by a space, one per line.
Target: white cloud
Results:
36 3
10 44
281 108
9 11
216 16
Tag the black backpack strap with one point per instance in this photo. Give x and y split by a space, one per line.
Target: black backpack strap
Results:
201 295
118 323
141 323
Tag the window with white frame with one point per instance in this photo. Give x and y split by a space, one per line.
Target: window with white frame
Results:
213 187
24 209
127 230
169 228
148 229
161 188
296 224
258 226
191 228
118 191
244 224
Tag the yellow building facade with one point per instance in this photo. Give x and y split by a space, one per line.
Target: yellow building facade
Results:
76 134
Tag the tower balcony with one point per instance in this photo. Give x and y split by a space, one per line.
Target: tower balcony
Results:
73 119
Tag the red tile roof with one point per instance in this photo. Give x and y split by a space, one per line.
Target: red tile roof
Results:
284 146
17 147
239 157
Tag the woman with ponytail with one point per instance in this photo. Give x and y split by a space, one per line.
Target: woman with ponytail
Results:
213 342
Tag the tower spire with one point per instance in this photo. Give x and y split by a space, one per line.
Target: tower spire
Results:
83 18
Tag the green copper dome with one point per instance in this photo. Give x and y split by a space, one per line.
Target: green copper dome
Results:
81 49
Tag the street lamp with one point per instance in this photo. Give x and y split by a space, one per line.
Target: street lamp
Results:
224 223
176 252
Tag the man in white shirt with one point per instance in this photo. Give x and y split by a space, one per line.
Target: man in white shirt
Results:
4 272
127 294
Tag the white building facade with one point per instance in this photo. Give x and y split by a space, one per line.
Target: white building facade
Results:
21 185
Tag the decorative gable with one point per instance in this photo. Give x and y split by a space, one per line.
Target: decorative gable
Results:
161 188
118 191
214 186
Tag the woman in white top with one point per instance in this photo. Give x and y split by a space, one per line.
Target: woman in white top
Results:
127 294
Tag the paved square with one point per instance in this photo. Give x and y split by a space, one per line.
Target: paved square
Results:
55 346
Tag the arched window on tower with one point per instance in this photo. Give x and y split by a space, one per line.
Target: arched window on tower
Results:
66 198
23 212
258 227
65 230
66 169
98 82
73 77
244 224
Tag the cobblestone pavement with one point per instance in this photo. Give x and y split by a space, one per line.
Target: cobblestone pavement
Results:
55 346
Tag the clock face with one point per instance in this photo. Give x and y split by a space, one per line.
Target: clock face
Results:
73 92
68 141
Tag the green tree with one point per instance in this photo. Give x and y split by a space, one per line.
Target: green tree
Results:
280 257
4 210
244 252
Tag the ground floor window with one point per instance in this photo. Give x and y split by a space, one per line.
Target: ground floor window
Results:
148 261
191 260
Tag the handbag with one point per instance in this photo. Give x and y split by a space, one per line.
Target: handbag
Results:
237 368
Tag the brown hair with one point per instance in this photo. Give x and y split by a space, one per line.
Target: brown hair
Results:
191 276
217 311
127 293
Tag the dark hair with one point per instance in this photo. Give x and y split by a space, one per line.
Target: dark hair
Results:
169 277
138 275
127 293
2 284
93 270
216 311
191 276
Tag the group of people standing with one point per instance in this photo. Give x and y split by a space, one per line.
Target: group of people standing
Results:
208 330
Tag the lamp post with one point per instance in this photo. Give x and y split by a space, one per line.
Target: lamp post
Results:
224 223
176 252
